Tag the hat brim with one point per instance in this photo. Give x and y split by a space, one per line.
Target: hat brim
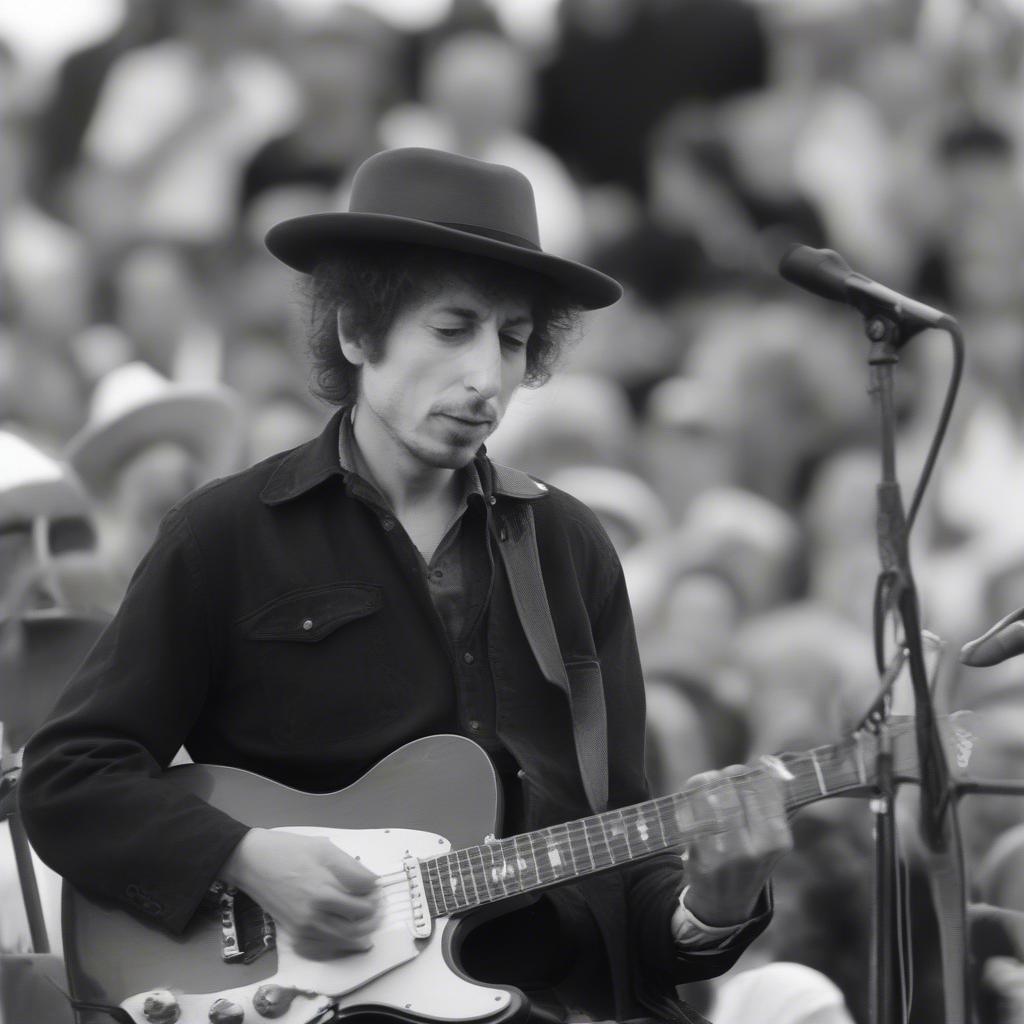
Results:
302 242
205 422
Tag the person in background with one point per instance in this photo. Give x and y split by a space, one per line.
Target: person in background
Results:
478 99
147 444
47 625
344 64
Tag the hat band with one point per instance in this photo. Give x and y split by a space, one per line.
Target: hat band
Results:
497 236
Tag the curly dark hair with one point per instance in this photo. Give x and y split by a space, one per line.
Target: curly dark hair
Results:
367 285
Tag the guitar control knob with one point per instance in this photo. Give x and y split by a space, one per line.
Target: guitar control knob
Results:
273 1000
161 1007
223 1011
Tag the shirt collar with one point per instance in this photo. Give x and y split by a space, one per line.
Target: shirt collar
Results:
316 461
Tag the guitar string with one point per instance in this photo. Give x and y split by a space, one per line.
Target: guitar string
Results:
513 886
577 830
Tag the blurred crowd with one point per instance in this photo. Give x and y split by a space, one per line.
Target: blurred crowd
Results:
715 419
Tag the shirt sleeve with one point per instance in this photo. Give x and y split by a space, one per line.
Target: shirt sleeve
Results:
91 794
691 933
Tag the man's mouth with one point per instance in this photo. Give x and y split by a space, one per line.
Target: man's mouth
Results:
474 421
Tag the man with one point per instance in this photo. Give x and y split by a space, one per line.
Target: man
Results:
306 617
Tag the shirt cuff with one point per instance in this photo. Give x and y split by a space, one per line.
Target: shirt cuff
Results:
691 933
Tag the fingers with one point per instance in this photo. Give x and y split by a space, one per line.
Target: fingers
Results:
334 903
764 807
354 877
738 813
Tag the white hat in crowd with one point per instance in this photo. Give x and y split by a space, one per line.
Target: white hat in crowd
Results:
134 406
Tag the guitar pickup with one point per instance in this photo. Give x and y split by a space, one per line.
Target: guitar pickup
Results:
247 930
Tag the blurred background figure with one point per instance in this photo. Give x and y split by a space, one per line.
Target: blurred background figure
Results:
176 121
478 100
343 61
48 564
147 444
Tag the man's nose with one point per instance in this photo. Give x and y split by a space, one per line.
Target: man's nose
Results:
483 370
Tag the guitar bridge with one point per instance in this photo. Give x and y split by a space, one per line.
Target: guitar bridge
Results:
421 922
247 930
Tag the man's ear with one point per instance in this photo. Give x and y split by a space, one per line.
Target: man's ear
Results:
352 350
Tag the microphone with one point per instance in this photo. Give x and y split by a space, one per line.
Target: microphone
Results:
824 272
1004 640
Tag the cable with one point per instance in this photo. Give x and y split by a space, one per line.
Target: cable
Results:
957 338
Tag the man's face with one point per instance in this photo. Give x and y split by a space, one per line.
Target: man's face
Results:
447 371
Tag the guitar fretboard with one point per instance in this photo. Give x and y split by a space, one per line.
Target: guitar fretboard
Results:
470 877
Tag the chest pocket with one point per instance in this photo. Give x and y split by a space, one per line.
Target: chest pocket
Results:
319 659
308 616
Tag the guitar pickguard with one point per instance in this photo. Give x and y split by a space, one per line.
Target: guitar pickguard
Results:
400 971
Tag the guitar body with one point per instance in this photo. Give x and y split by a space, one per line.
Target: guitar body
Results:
433 794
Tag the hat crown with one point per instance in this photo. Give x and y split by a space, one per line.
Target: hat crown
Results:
126 388
449 190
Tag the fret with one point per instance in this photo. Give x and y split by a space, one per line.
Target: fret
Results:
425 869
510 863
818 773
469 871
532 848
605 843
622 829
496 875
533 852
572 866
483 870
447 868
676 805
590 849
639 826
599 841
522 865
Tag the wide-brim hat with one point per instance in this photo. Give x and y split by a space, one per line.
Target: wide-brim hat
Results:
430 197
134 406
33 485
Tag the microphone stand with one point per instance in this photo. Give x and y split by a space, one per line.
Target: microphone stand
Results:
896 589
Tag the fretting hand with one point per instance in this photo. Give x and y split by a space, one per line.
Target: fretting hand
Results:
727 866
323 899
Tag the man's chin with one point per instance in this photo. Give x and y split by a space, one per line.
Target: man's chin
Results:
444 454
451 458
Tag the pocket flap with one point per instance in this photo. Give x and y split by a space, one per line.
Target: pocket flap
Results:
309 615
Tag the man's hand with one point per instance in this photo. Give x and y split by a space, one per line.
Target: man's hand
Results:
325 900
746 833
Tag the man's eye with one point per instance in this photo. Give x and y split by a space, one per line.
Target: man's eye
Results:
513 342
449 332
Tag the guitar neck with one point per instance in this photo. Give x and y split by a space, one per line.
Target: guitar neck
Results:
476 875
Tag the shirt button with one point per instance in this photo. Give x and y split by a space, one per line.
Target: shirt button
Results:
493 500
437 574
388 523
307 625
468 658
474 725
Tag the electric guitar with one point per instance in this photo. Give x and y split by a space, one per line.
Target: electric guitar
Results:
416 819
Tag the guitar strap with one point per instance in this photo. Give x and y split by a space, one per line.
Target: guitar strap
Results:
517 542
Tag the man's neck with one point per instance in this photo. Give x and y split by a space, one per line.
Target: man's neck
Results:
403 479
